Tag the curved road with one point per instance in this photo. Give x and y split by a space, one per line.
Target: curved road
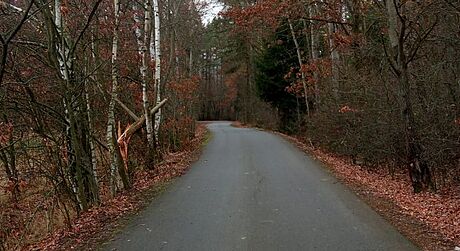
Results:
252 190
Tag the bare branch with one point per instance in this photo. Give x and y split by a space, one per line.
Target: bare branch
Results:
5 40
7 5
131 113
88 22
23 20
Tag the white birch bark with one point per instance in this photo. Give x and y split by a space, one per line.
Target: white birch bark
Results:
111 113
59 28
137 31
91 140
64 68
70 177
157 87
65 62
152 45
143 70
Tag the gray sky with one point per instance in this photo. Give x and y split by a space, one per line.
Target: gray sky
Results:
212 10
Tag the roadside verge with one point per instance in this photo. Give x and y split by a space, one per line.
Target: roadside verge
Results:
99 224
427 219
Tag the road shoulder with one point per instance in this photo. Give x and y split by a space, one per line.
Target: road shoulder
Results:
363 184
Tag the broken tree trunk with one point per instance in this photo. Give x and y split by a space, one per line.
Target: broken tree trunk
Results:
123 139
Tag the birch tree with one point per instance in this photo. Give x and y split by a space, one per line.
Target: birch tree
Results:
314 43
156 12
145 80
145 46
81 174
111 142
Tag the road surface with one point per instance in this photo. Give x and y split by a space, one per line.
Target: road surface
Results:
252 190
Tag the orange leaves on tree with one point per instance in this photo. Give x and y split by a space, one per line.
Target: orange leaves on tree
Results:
185 88
6 132
342 40
64 8
457 121
347 109
262 15
231 93
313 72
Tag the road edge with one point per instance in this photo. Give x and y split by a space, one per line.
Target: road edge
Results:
419 233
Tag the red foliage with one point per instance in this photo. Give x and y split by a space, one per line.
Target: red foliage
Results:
347 109
185 88
457 121
231 84
313 72
6 132
342 40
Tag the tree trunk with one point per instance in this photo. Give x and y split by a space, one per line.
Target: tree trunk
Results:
314 40
113 149
157 87
334 62
419 171
150 155
77 128
392 23
299 58
91 151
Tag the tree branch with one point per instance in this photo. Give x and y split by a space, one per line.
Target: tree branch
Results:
5 40
414 51
88 21
23 20
131 113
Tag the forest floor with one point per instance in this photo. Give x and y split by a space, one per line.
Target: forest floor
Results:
429 220
100 223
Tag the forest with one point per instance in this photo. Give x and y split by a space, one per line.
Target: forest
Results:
375 83
95 94
373 80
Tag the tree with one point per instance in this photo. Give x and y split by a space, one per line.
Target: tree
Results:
274 68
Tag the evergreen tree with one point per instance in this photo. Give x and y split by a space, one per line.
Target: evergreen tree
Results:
277 59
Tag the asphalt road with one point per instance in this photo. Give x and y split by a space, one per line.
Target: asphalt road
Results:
252 190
